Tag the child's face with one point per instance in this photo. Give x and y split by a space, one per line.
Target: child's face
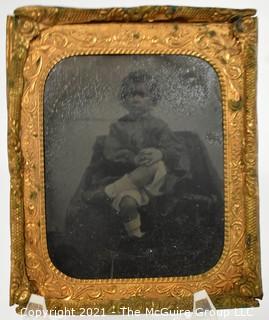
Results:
139 101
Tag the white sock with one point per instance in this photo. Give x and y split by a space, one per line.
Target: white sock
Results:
133 227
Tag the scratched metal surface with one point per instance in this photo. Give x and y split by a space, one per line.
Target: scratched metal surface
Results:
82 100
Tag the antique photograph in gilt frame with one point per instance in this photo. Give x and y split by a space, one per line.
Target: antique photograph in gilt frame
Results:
133 157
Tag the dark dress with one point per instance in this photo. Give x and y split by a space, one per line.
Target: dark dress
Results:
134 134
184 227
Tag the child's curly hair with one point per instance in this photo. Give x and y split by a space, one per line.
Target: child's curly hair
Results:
137 77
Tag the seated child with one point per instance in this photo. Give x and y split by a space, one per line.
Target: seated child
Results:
153 157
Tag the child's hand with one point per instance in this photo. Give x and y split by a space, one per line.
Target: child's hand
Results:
148 156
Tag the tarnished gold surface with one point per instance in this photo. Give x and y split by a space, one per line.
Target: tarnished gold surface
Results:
39 37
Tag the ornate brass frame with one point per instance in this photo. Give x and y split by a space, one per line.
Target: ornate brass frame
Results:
37 38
